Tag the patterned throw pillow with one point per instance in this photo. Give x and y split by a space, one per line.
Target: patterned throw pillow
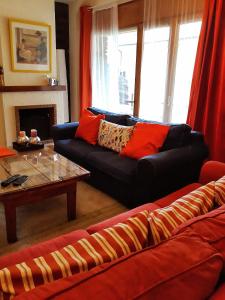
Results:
114 136
164 220
220 191
101 247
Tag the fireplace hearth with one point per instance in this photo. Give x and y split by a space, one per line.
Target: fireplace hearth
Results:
40 117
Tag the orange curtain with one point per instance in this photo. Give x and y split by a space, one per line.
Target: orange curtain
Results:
85 57
207 101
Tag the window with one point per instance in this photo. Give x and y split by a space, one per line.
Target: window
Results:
127 54
187 47
154 70
145 65
167 69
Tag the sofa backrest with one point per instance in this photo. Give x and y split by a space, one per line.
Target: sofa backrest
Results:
120 119
210 226
179 134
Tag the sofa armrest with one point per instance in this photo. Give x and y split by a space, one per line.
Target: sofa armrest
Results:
168 161
64 131
211 170
169 170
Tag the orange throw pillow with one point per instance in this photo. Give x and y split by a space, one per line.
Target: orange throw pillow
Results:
89 126
6 152
147 138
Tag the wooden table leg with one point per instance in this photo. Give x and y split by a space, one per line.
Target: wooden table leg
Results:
71 202
10 217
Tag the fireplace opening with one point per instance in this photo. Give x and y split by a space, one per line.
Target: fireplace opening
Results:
40 117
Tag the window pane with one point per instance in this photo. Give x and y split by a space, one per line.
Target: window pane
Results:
154 73
127 50
187 47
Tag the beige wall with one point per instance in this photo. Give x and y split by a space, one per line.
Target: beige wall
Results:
34 10
74 8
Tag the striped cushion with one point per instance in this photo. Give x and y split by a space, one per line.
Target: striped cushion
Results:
220 191
104 246
164 220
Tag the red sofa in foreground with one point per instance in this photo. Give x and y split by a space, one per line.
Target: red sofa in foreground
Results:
190 265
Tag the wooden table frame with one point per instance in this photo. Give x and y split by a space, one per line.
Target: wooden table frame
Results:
22 197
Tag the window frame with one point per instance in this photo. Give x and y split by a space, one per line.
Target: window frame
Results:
135 10
127 29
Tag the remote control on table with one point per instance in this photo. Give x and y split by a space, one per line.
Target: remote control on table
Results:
20 180
9 180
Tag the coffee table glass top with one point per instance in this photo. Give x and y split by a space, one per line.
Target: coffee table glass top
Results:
42 167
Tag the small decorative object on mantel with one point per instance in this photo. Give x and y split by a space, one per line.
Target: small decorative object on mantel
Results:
52 81
34 139
2 81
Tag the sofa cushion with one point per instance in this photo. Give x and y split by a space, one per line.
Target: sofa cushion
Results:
167 200
220 191
114 136
121 217
146 140
76 149
42 248
148 274
219 293
96 249
110 116
120 168
210 226
178 135
88 127
163 221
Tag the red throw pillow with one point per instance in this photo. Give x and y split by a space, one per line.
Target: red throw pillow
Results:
6 152
147 138
89 126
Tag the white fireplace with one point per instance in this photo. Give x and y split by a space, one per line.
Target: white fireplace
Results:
8 102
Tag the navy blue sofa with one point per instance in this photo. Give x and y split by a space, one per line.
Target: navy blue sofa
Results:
134 182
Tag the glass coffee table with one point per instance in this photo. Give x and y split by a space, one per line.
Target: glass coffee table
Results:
49 174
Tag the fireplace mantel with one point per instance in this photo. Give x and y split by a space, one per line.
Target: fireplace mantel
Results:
31 88
8 100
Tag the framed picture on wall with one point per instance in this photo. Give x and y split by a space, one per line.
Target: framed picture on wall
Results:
30 46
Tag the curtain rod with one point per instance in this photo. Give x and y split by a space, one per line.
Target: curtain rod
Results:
108 5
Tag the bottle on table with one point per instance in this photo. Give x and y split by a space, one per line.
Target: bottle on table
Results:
34 139
22 138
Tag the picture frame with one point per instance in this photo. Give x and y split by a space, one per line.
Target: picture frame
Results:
30 45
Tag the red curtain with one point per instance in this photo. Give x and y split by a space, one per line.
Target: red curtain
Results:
85 57
207 100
